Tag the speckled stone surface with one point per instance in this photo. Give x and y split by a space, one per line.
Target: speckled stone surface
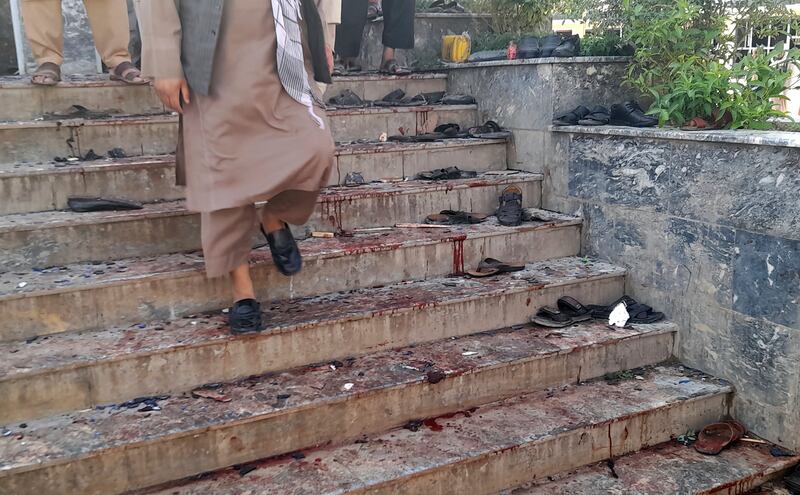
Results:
785 139
710 231
669 469
524 95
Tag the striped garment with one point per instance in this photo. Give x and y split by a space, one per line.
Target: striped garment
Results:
291 66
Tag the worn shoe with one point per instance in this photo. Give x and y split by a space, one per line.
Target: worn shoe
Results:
569 47
245 317
631 114
510 211
285 252
529 47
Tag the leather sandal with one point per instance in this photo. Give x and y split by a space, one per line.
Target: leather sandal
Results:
128 73
391 67
47 74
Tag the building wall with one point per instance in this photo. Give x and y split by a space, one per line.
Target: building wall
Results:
710 234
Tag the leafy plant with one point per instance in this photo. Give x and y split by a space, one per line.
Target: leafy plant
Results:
684 61
518 16
609 44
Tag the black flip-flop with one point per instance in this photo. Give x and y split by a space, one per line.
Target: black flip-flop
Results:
643 314
574 309
452 217
347 99
82 204
572 117
489 130
492 266
548 316
446 174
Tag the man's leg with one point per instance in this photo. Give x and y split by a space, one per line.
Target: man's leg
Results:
398 27
350 32
44 29
110 27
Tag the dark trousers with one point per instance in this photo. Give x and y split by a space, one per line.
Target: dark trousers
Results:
398 23
398 26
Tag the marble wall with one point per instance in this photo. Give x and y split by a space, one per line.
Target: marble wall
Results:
710 234
524 95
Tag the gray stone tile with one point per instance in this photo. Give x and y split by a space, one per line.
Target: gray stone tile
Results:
766 278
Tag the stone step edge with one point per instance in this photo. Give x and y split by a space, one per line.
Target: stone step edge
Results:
373 375
95 366
102 80
633 473
447 449
10 170
25 222
173 119
437 236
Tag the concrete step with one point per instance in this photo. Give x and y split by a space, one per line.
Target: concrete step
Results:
45 186
92 296
376 86
670 469
19 100
71 371
480 451
61 237
42 140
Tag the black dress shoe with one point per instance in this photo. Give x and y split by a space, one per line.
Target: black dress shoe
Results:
285 252
245 316
631 114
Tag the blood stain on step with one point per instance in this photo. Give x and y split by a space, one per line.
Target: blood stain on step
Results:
458 256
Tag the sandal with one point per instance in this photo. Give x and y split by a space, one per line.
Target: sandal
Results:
715 437
573 116
452 217
489 130
598 116
550 317
447 173
457 99
391 67
643 314
47 74
347 99
128 73
574 309
509 213
491 266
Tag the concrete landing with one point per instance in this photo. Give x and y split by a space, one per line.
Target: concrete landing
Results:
670 469
480 451
76 370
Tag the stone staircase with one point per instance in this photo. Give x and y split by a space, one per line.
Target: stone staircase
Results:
381 371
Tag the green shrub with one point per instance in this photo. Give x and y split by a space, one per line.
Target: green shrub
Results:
683 61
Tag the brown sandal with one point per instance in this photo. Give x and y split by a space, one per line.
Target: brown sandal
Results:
391 67
127 73
716 436
49 74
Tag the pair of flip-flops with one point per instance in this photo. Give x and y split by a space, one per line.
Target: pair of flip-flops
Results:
715 437
447 174
490 266
639 313
568 312
581 115
453 217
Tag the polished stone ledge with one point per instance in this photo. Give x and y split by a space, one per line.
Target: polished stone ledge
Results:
784 139
540 61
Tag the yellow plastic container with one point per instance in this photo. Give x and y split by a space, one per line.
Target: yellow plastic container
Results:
456 48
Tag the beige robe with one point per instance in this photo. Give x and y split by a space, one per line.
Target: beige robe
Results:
248 140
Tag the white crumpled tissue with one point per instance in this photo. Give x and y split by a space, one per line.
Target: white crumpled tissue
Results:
619 317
